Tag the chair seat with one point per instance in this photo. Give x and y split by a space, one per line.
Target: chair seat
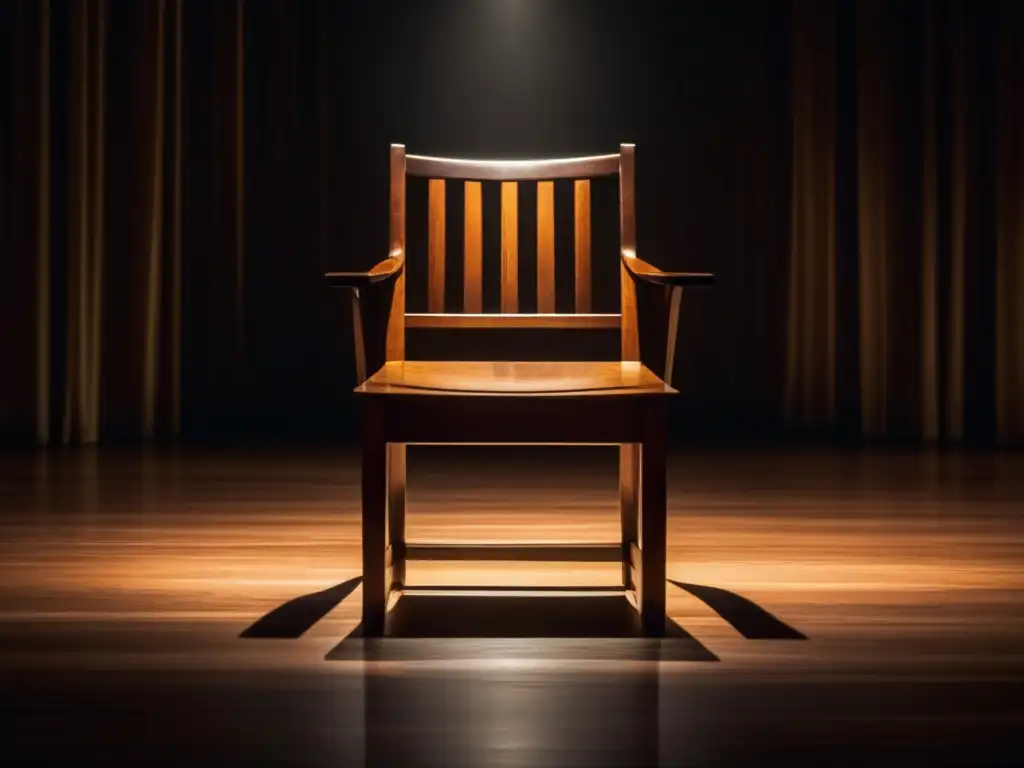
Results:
534 379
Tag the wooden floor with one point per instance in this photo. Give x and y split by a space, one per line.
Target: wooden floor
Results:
198 606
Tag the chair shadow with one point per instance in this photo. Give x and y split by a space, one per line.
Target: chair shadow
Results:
297 616
746 617
502 626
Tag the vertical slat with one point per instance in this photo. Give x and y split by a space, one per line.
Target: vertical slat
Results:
435 246
627 230
509 247
546 246
581 219
473 293
396 322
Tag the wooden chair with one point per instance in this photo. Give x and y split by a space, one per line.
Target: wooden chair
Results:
408 402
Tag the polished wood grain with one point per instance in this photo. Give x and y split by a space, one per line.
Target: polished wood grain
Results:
581 244
627 238
674 299
396 484
372 295
629 507
376 584
565 321
494 553
358 337
536 379
546 247
435 245
824 537
380 272
651 587
517 402
509 247
641 270
473 281
513 170
635 563
396 235
570 418
629 453
127 577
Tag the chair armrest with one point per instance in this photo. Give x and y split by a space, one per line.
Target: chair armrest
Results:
380 272
373 309
659 318
648 273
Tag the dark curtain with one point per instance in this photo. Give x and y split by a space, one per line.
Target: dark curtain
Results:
177 174
907 258
123 190
160 206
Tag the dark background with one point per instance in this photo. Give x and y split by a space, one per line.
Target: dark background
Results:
851 172
699 87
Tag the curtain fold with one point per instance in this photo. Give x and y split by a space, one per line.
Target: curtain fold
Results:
178 173
932 103
212 222
101 150
1010 224
25 291
142 261
812 315
86 194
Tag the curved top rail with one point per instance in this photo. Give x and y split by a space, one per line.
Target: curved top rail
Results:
512 170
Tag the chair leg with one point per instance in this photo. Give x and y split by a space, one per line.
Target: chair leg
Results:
374 522
653 521
629 505
396 512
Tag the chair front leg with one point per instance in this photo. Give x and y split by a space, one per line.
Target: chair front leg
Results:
653 522
374 521
396 513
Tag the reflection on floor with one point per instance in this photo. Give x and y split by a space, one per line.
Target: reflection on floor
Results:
495 625
202 606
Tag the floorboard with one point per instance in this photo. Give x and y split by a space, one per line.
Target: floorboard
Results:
185 606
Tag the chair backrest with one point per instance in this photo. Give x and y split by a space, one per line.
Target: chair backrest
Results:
510 173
